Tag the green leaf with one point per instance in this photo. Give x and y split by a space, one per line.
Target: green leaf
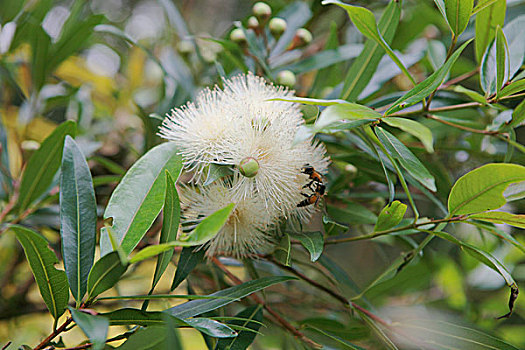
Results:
94 327
390 216
458 14
128 316
170 227
512 88
482 189
427 86
406 158
344 111
138 199
312 241
51 282
324 59
498 233
245 337
105 274
518 115
40 44
365 65
189 258
365 22
514 34
500 217
438 334
502 60
207 228
150 338
283 251
488 260
471 93
487 20
198 307
78 217
43 164
414 128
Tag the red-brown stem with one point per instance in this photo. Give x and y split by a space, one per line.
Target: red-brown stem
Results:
458 79
54 334
272 312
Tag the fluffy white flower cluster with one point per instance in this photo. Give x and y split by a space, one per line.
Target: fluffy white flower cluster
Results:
239 127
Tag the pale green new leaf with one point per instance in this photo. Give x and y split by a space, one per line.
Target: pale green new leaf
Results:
500 217
312 241
414 128
390 216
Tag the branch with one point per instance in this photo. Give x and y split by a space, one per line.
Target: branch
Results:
272 312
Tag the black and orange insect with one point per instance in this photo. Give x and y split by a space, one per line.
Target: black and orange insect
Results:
318 190
314 197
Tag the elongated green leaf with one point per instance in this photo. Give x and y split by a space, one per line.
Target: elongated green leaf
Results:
501 234
439 334
487 20
458 14
198 307
51 282
43 165
170 227
512 88
41 45
475 96
390 216
482 189
207 228
78 217
514 34
312 241
344 111
365 22
105 274
502 59
150 338
406 158
189 258
518 116
500 217
94 327
283 251
427 86
414 128
245 337
139 197
128 316
364 66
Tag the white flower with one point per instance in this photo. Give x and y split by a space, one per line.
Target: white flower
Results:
248 229
230 126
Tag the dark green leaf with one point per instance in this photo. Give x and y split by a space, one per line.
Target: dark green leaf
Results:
41 45
150 338
170 227
78 217
189 258
312 241
198 307
94 327
458 14
406 158
105 274
482 189
138 199
390 216
51 282
283 251
502 68
43 165
245 337
487 20
364 66
427 86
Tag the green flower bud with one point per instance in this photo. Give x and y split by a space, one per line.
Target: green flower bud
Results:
303 37
237 36
253 23
277 26
249 167
262 11
286 78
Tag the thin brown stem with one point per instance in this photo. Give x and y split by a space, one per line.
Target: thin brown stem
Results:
272 312
466 128
437 110
54 334
459 78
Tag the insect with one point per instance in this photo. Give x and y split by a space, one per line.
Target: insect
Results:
312 175
314 197
318 190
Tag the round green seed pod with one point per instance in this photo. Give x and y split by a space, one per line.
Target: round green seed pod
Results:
286 78
249 167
